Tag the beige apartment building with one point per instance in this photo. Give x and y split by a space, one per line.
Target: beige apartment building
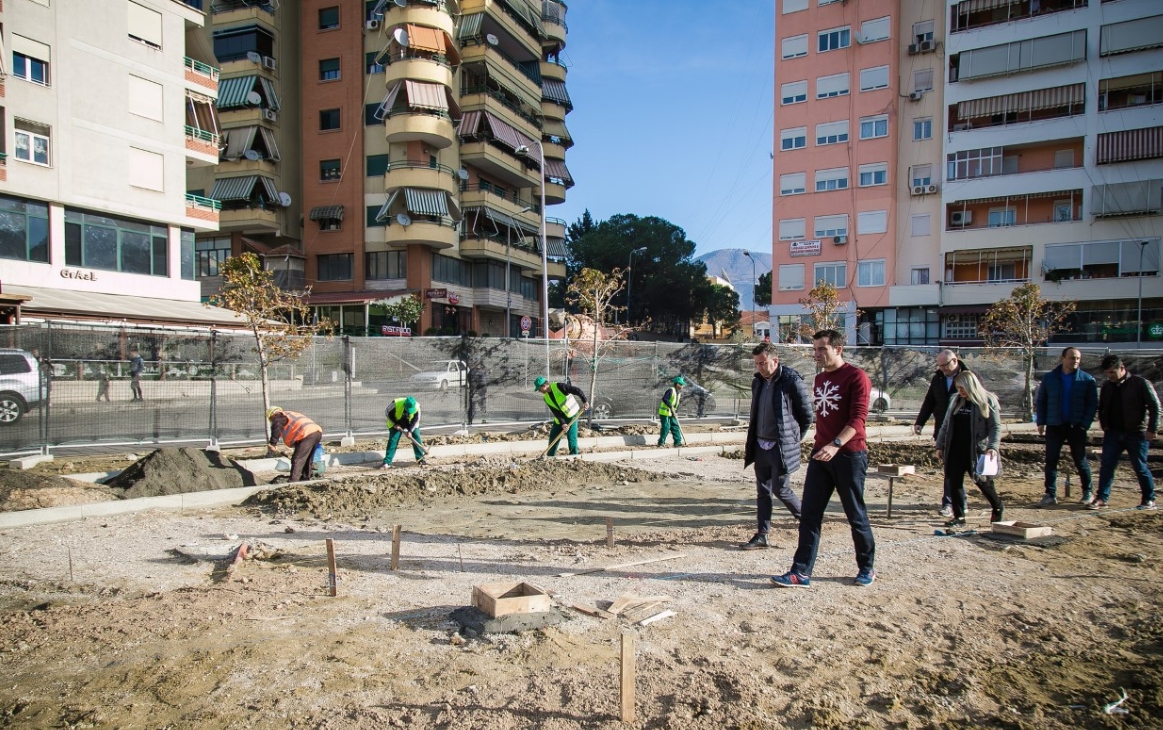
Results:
1016 141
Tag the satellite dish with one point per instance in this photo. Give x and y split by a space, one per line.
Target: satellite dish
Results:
253 98
254 57
285 199
401 36
401 3
252 155
403 219
492 39
462 173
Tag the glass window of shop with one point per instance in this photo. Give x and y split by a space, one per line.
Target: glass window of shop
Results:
909 326
23 230
111 243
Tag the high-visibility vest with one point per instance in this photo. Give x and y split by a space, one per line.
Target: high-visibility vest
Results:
560 402
397 413
665 407
298 428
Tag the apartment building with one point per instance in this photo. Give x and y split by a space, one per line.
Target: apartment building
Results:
1017 141
433 133
105 108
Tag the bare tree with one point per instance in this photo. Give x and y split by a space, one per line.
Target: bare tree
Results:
592 292
1025 320
825 311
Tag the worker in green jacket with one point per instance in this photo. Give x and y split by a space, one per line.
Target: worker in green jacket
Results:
566 403
403 416
668 412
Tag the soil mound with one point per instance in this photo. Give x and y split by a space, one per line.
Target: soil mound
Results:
20 490
177 471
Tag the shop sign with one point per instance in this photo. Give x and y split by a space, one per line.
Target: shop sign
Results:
78 275
453 298
1155 331
805 248
389 330
435 293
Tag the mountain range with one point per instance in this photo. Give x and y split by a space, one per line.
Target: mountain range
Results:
733 265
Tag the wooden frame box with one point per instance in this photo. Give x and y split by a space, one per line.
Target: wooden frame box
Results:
1024 530
502 599
895 470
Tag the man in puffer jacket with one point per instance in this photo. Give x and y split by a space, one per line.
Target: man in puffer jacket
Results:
1064 408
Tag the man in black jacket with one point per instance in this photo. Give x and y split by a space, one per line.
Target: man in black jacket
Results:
1128 411
936 402
781 413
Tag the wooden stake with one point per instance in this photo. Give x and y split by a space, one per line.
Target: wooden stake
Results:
70 549
627 684
610 532
461 557
332 577
395 547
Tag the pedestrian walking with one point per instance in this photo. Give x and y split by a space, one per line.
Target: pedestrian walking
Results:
781 413
839 462
403 417
1064 408
566 403
1128 412
941 391
103 384
971 429
136 368
299 433
668 412
478 392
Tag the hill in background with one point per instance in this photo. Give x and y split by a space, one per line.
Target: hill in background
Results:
737 268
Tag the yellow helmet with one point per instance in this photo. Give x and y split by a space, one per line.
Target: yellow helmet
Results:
272 411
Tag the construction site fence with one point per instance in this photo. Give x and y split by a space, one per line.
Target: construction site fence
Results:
204 386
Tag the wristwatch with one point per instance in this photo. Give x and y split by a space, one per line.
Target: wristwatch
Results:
837 443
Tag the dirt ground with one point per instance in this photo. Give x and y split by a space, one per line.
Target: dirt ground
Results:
104 624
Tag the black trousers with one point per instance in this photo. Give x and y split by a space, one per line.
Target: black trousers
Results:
301 458
955 472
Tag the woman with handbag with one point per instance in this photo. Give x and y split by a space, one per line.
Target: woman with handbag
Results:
968 444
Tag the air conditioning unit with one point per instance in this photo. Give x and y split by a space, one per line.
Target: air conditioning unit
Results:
926 46
373 24
839 240
930 189
269 62
961 217
916 95
270 115
913 49
919 189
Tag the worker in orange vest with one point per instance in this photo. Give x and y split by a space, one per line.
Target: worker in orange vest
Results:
299 433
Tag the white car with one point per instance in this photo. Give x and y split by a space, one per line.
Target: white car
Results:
442 374
879 401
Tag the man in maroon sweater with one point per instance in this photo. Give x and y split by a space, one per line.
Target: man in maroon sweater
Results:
839 462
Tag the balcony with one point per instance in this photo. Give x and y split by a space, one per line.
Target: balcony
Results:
553 21
435 232
1139 197
249 220
1130 92
1030 106
1003 267
553 71
1062 206
1042 156
201 147
203 209
417 65
428 126
479 89
415 174
974 14
486 193
202 75
1089 260
1130 145
499 162
430 14
235 11
1018 57
524 256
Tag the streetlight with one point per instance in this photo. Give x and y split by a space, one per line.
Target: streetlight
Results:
524 150
1139 329
508 264
754 286
630 280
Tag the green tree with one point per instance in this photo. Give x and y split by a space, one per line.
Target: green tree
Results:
405 309
280 321
722 309
1025 321
763 291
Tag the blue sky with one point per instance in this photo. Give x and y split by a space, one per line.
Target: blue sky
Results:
673 115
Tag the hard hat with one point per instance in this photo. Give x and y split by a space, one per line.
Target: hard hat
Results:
272 411
410 404
678 380
540 381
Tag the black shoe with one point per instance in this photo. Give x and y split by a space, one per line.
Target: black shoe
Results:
997 515
756 543
956 522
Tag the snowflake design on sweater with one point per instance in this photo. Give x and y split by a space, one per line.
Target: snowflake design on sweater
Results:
827 398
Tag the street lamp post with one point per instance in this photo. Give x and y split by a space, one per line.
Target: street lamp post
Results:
1139 329
754 286
630 280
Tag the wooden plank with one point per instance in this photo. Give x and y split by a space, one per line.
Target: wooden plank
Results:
627 677
642 610
656 617
895 470
1025 530
622 565
622 602
591 611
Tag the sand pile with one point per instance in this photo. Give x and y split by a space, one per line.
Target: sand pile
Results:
20 490
177 471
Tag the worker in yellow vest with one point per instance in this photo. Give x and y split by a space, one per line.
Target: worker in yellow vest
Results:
403 417
299 433
566 403
668 412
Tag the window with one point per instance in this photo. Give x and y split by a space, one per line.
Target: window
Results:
793 139
373 66
1063 211
831 133
921 224
792 183
1063 159
1002 271
329 69
33 142
146 169
794 47
923 79
923 31
145 98
31 63
918 277
960 327
386 264
145 25
377 165
791 229
836 85
334 267
112 243
210 254
1103 259
999 217
329 170
922 175
922 129
370 112
238 43
969 164
23 230
791 277
872 221
870 273
835 39
450 270
793 93
830 226
794 6
186 254
873 127
835 274
873 174
329 18
874 78
328 120
834 179
875 30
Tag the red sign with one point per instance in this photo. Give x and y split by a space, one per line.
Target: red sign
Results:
388 330
453 298
435 293
526 324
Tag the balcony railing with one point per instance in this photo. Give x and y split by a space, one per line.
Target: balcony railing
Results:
225 6
204 69
411 54
504 101
416 165
964 18
201 202
201 135
507 195
530 69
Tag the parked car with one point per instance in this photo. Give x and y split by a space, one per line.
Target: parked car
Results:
696 401
441 375
879 401
20 387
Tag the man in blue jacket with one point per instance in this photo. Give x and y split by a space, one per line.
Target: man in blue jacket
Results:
1065 406
781 413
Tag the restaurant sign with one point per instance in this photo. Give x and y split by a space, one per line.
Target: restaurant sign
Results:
435 293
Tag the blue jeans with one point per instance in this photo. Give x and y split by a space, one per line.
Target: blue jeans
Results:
843 474
1056 437
771 484
1135 444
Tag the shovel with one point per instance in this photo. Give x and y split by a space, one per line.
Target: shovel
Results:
557 438
414 441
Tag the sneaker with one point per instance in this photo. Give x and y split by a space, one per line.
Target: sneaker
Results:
422 462
956 522
1096 505
1087 498
997 515
865 577
1048 500
791 580
1149 504
756 543
946 511
386 466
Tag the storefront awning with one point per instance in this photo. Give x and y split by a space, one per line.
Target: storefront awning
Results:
326 212
1026 101
73 304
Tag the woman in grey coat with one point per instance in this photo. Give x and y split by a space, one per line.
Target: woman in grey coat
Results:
972 427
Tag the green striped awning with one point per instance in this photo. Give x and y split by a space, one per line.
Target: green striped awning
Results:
470 26
232 93
555 248
268 88
326 212
426 202
242 188
385 209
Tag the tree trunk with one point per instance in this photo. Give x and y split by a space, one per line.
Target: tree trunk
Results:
266 390
1028 394
593 378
